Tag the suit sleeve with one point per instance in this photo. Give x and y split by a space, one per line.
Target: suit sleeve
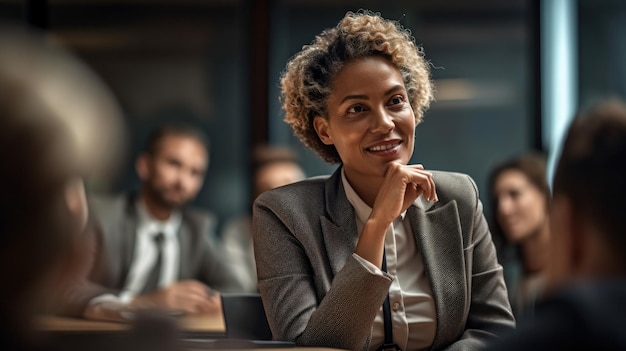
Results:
300 303
81 290
236 245
214 269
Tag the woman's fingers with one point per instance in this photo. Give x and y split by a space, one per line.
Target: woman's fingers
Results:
432 195
401 186
424 180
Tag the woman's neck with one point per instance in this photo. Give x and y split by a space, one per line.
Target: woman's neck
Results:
367 192
366 187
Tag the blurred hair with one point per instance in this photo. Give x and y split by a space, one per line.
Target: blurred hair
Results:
266 155
263 155
35 224
307 80
591 170
57 123
174 129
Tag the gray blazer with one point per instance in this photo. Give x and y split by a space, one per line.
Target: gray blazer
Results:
316 293
115 221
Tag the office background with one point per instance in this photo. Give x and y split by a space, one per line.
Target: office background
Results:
218 62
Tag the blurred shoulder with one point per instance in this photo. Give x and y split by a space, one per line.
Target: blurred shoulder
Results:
200 216
109 204
199 212
108 198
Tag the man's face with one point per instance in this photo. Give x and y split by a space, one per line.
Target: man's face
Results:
176 170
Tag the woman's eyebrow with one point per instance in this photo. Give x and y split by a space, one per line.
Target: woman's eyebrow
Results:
394 88
354 97
365 97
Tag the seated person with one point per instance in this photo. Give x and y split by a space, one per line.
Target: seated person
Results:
151 250
521 227
48 142
383 254
585 306
272 167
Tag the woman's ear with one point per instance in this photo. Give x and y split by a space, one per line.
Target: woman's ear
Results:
141 166
321 127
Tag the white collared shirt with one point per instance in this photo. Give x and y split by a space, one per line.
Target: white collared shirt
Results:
145 254
413 313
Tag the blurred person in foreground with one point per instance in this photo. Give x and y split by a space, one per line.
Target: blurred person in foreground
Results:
152 250
383 253
272 166
521 228
58 124
585 308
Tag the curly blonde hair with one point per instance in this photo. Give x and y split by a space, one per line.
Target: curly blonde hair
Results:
306 82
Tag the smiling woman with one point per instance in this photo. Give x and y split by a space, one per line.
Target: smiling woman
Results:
370 122
378 232
520 201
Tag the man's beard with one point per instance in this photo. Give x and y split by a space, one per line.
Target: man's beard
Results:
161 197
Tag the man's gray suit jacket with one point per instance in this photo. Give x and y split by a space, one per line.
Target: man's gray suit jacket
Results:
114 220
316 293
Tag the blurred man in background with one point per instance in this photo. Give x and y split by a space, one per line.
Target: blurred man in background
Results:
151 250
272 166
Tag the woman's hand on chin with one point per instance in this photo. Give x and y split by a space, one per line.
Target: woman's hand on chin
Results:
402 185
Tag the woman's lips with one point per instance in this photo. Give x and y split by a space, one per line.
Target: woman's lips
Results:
382 147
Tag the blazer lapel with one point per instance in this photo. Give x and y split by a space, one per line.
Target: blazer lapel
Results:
338 226
184 240
439 239
128 228
437 232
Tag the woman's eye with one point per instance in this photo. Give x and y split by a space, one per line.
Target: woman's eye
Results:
356 109
396 100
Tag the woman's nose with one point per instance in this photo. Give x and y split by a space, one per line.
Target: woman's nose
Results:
382 122
505 206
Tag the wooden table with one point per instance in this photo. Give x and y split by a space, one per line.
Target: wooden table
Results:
209 326
194 327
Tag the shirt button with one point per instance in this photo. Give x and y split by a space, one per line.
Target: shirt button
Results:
396 306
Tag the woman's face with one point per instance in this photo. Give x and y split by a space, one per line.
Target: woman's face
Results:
521 207
370 120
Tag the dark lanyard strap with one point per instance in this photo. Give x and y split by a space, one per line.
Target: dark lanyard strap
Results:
389 344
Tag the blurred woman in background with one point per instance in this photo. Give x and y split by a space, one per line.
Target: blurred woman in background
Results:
521 199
